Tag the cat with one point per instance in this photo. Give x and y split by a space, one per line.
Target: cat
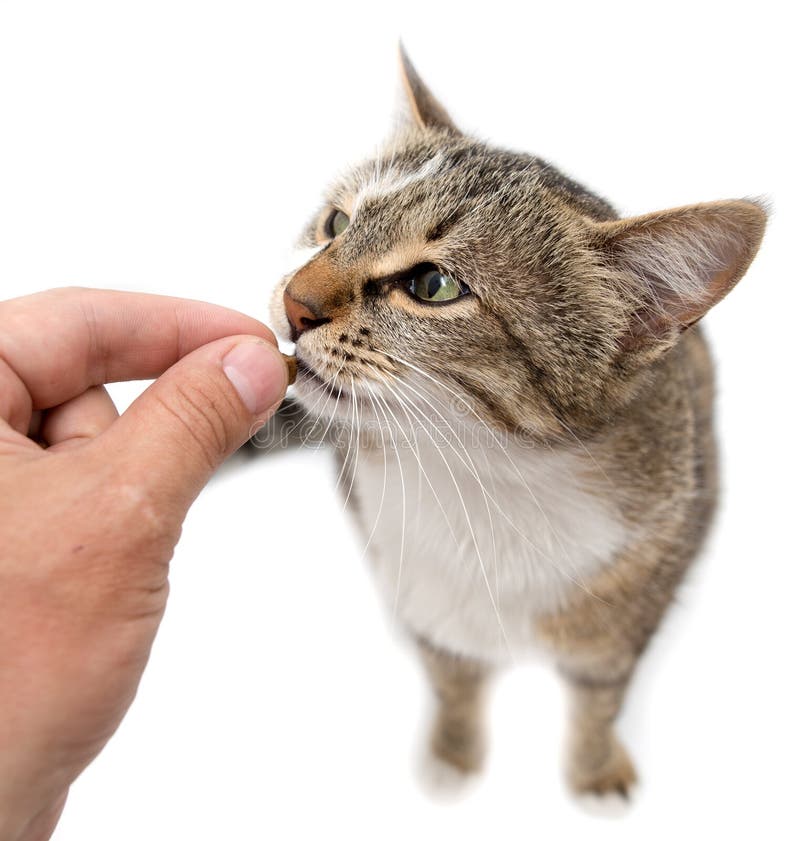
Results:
522 402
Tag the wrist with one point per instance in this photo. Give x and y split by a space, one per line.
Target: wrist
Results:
22 821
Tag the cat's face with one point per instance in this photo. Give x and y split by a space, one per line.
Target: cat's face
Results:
437 208
452 277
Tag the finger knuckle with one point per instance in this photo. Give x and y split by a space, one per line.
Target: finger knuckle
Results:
205 417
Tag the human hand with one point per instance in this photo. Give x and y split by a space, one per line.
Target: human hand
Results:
89 523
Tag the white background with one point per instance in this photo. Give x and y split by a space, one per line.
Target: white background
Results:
178 148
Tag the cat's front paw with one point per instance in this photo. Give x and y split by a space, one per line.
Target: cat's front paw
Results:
608 776
444 780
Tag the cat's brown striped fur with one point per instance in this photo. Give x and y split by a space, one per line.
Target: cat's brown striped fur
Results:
579 338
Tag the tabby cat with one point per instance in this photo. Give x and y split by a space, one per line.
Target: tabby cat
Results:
522 403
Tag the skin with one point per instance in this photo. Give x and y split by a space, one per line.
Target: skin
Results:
91 511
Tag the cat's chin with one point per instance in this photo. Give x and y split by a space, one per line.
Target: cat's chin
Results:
322 399
326 402
326 398
366 402
309 381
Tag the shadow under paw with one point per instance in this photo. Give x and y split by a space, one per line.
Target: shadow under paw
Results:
443 780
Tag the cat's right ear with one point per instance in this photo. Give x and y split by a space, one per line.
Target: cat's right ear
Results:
424 109
677 264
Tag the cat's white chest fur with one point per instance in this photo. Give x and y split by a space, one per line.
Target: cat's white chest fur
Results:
470 569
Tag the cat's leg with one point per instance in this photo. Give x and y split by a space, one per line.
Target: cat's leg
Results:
597 643
457 736
597 762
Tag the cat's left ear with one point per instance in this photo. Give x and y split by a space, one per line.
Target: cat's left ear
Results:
677 264
423 108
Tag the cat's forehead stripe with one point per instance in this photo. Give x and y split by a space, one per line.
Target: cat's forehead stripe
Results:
386 180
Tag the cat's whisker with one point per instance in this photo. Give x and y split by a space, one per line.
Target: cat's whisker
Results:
328 383
576 579
401 402
321 391
490 474
420 419
380 400
480 420
351 428
474 471
336 405
611 485
306 413
327 397
385 475
357 427
555 535
472 534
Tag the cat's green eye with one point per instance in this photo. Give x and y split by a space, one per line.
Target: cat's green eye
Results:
336 224
434 286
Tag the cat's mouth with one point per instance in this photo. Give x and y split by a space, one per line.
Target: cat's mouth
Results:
365 395
306 374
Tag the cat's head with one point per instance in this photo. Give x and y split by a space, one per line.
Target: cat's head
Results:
450 274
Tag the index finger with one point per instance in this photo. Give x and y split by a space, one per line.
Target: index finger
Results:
56 344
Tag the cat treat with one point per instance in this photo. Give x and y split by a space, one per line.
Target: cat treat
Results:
291 364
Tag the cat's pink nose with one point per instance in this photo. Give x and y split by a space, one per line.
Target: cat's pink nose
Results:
301 316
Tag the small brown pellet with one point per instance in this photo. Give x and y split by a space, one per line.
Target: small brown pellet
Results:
291 364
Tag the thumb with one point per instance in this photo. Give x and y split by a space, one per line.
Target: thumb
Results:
196 414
